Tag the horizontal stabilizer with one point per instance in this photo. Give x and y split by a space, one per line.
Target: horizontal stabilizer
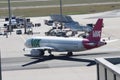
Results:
109 41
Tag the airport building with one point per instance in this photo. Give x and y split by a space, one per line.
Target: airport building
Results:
108 68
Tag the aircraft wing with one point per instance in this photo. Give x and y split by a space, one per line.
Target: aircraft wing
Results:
41 48
46 48
109 41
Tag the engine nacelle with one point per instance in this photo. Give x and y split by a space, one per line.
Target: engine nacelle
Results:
36 52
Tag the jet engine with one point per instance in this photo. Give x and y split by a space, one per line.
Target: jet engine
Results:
37 52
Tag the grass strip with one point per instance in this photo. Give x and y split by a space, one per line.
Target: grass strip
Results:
66 10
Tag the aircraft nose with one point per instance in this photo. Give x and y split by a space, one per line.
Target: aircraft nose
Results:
28 43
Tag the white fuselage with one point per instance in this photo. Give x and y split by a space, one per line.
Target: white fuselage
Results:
60 44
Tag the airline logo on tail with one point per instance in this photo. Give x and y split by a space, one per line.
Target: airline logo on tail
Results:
93 40
96 33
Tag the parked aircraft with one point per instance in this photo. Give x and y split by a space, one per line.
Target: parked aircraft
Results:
61 44
75 26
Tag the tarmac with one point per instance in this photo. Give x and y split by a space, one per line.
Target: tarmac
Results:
73 68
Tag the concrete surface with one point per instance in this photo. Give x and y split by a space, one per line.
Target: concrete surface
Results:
13 55
72 73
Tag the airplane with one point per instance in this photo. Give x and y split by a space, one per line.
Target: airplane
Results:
74 26
62 44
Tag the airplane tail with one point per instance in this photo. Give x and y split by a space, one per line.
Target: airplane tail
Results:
95 34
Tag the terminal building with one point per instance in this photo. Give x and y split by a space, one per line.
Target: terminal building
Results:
108 68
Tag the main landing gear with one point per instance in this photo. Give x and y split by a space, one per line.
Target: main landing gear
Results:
69 53
51 55
41 53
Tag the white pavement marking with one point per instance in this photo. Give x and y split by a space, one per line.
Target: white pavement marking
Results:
23 38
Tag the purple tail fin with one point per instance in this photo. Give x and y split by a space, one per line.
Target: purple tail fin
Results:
95 34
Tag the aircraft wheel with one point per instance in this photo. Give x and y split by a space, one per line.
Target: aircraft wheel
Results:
69 54
51 55
41 53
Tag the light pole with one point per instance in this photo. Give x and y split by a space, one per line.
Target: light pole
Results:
0 67
61 14
9 9
25 26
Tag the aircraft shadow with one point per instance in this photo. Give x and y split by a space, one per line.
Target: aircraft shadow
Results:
95 53
67 58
